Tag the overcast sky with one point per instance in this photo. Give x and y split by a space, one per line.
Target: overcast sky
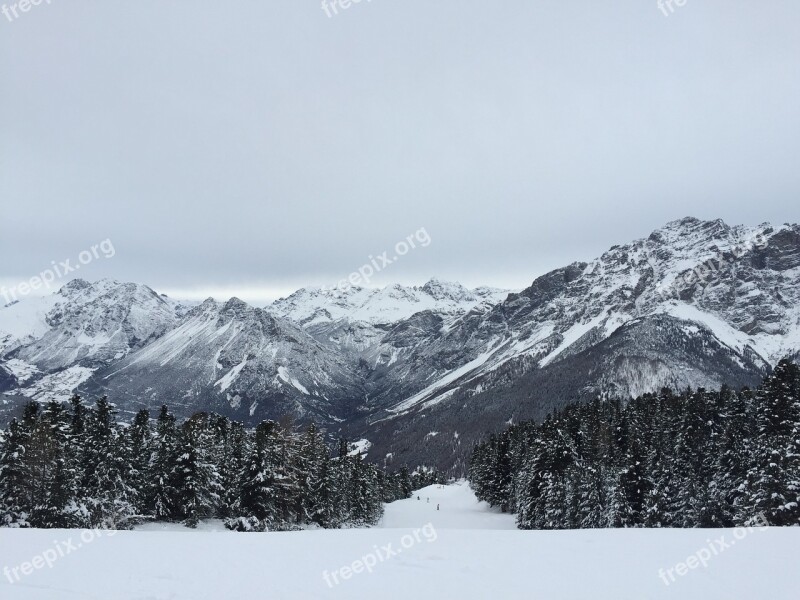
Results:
252 148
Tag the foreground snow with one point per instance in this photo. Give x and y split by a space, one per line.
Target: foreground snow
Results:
464 550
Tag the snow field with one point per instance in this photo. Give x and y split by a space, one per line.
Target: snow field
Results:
464 550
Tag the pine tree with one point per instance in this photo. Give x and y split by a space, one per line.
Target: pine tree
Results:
195 478
140 444
698 459
770 481
406 486
160 495
57 505
111 502
14 505
236 448
312 459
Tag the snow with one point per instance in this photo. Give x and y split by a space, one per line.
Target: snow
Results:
171 345
572 335
731 337
284 374
235 400
102 321
360 447
26 320
389 304
57 386
21 370
458 509
225 382
464 551
443 381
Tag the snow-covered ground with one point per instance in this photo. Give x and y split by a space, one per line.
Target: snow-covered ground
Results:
458 509
463 550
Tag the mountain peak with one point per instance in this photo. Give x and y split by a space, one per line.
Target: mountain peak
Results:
235 305
441 290
75 285
687 227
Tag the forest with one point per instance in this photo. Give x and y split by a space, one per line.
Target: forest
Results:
69 465
697 458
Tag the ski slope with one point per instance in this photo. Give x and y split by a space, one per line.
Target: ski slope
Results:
458 509
464 550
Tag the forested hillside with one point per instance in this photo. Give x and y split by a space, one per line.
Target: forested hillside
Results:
78 467
692 459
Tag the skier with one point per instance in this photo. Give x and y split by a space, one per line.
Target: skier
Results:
437 507
417 497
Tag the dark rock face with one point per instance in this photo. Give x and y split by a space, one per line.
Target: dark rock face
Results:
7 380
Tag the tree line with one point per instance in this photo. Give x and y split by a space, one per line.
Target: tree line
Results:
693 459
74 466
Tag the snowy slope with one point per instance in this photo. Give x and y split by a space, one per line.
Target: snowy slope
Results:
390 304
749 303
25 321
94 324
52 344
237 360
422 558
458 509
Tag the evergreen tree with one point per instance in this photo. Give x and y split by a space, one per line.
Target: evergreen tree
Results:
160 495
140 443
14 476
195 478
110 501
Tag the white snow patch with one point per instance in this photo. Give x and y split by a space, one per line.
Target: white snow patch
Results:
449 378
572 335
21 370
284 374
360 447
225 382
57 386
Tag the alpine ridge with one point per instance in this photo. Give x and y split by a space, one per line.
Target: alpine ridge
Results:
421 372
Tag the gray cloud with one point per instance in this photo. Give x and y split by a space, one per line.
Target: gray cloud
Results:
264 146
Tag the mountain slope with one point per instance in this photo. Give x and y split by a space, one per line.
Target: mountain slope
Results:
751 303
51 344
236 360
696 304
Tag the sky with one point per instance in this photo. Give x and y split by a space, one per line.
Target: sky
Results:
252 148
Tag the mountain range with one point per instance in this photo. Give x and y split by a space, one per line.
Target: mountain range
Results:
419 373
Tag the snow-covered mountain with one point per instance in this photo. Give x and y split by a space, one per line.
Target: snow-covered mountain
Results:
126 340
381 306
238 360
748 303
697 303
51 344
